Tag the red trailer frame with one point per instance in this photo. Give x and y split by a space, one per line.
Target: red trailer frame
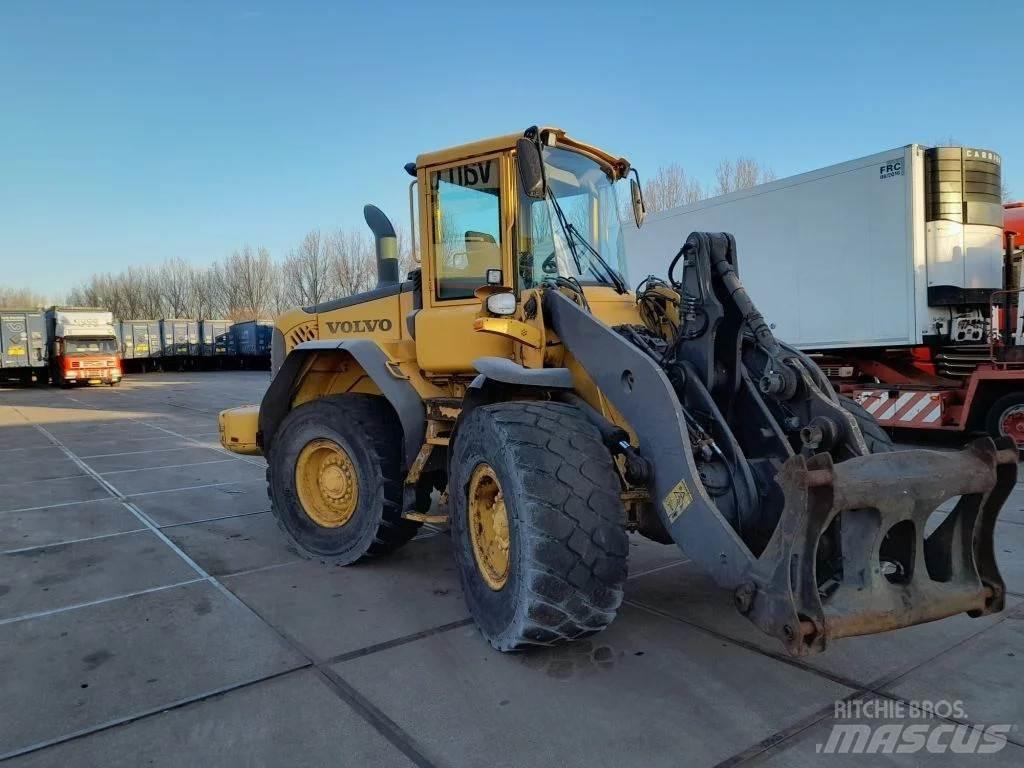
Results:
907 393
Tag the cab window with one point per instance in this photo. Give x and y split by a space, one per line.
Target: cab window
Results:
467 226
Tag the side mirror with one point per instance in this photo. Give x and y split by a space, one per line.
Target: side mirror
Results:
637 199
531 169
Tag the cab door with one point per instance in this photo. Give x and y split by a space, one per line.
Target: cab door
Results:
465 226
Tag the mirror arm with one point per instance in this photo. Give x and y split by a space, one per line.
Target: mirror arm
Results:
412 220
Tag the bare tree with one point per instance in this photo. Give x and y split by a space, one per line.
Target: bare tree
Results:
307 270
20 298
741 173
671 187
352 262
176 280
247 280
408 259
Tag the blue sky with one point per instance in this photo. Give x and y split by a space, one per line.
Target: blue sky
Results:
132 132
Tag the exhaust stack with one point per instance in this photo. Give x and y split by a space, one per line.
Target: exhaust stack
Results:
386 245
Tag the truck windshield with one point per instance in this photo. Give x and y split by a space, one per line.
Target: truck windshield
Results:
587 197
90 346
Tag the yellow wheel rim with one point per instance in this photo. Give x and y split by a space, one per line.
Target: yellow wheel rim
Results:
488 526
326 481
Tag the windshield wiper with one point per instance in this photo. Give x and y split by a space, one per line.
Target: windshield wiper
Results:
572 234
613 276
565 225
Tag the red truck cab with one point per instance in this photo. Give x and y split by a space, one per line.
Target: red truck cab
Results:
88 360
84 347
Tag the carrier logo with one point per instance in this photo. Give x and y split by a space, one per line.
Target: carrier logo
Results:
890 169
360 326
982 154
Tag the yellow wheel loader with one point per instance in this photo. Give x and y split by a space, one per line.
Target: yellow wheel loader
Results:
556 411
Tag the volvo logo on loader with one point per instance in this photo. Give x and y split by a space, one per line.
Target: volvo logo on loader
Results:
360 326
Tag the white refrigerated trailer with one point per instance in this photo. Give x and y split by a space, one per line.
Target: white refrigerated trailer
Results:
885 267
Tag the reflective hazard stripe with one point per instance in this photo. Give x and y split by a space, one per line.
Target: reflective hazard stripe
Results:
900 402
879 399
922 402
908 409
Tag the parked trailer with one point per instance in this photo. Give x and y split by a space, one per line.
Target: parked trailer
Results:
179 342
23 345
83 346
215 343
251 342
889 265
140 343
214 338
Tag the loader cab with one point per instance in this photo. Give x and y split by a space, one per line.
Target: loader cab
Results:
475 219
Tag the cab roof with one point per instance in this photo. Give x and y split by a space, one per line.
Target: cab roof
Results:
618 165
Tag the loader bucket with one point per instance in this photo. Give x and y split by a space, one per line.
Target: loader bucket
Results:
897 567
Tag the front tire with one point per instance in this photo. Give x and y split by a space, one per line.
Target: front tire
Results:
335 478
537 524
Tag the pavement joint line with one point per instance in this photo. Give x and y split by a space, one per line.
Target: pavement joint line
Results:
659 568
41 480
383 724
185 488
376 718
746 644
120 440
362 706
65 542
164 466
28 448
780 737
101 601
177 704
149 424
262 568
874 688
59 504
396 642
212 519
145 520
240 457
134 453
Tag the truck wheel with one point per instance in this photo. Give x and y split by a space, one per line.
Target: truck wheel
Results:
334 477
1006 418
537 524
875 436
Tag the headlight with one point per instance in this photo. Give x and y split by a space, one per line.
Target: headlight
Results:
501 303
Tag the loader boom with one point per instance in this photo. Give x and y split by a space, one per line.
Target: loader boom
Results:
871 511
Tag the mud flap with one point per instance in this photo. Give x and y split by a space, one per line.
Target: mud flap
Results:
896 570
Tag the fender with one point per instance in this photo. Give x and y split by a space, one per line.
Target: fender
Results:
399 392
505 371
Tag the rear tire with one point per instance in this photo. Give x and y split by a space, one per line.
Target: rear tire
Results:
566 541
875 436
364 429
1005 418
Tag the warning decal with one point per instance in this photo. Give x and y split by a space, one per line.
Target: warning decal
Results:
677 500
